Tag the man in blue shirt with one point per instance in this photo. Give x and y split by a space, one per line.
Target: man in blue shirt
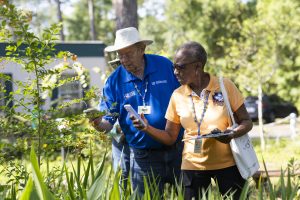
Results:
119 149
146 82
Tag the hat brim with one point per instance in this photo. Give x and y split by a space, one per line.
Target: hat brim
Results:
116 48
114 61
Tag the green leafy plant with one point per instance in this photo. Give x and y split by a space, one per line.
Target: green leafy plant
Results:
35 55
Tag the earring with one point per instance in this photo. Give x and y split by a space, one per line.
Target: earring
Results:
197 71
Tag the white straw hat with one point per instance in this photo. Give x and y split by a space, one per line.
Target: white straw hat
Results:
125 38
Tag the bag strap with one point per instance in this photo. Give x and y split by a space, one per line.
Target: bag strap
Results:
225 97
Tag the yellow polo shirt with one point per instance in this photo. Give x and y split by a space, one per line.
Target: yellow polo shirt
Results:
214 154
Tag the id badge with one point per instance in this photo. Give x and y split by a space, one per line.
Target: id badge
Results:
198 145
144 109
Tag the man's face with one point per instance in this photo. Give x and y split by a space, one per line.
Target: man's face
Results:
131 58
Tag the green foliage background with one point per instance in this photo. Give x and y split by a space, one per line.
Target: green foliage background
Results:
252 42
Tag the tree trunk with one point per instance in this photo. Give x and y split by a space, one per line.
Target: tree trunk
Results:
260 118
126 13
60 19
93 34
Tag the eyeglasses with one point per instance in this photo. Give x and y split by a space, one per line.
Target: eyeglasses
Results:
182 66
127 54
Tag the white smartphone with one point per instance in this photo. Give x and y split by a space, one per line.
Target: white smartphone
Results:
131 111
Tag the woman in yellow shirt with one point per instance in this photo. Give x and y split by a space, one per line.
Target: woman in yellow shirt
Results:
198 106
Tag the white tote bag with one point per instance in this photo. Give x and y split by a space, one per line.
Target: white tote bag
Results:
241 147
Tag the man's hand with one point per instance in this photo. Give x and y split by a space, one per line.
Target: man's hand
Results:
93 113
94 116
95 122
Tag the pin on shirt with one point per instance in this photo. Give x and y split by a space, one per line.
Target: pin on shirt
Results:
218 98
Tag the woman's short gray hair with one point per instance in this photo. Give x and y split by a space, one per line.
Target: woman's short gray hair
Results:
195 51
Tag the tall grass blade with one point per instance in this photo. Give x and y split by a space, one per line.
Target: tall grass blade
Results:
92 163
270 186
172 193
134 195
72 181
107 192
61 177
87 173
128 190
98 188
155 181
47 166
27 190
180 190
291 190
289 185
13 195
202 192
151 185
70 185
260 190
115 192
42 190
244 193
215 194
147 189
78 183
101 166
78 166
282 185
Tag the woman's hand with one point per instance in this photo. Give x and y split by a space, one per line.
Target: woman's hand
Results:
244 125
138 124
225 138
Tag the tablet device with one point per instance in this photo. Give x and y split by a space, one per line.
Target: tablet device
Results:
216 134
209 135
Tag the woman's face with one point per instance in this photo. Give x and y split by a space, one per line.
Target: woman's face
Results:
185 67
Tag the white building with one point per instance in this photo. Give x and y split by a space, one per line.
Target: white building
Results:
89 54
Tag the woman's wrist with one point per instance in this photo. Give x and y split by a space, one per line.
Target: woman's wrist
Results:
237 132
146 128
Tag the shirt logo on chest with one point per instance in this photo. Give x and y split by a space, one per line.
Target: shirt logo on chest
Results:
159 82
129 94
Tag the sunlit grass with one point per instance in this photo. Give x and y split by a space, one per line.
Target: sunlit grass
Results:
276 155
278 152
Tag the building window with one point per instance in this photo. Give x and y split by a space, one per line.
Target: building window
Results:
70 91
2 94
5 89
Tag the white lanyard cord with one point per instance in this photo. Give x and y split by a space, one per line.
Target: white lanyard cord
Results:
139 92
203 111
